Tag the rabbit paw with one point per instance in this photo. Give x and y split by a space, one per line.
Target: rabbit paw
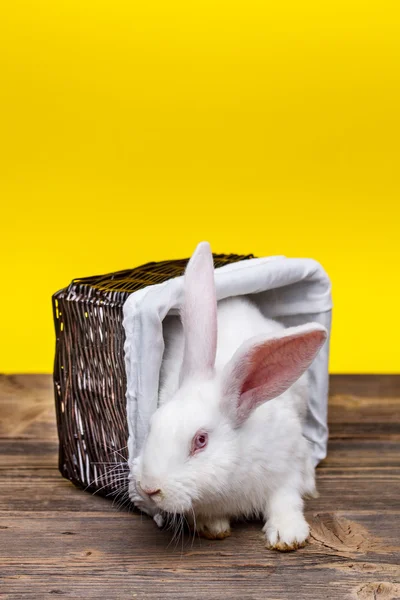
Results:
143 506
213 529
286 533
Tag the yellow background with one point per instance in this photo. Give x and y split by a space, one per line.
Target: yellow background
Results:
132 129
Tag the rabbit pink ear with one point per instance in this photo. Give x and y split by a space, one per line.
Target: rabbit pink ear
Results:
199 314
264 368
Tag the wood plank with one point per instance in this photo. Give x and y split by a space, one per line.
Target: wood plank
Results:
339 489
365 386
57 540
92 555
27 407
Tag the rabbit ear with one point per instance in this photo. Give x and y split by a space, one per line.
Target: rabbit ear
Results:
264 368
199 314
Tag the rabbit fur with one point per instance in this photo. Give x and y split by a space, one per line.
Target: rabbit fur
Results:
226 441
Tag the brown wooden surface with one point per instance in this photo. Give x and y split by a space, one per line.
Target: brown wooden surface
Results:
56 540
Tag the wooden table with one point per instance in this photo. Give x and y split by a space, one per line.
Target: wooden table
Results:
58 540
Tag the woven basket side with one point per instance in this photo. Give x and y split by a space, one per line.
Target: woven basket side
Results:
90 382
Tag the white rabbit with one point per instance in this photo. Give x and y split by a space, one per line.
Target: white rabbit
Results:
226 441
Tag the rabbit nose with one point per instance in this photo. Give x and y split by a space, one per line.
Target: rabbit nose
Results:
151 492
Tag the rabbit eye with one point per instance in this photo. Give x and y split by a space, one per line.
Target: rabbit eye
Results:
199 442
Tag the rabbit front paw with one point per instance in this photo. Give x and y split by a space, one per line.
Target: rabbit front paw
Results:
213 529
286 533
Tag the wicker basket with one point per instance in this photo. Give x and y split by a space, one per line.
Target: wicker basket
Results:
89 372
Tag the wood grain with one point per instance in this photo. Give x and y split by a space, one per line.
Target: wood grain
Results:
56 540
